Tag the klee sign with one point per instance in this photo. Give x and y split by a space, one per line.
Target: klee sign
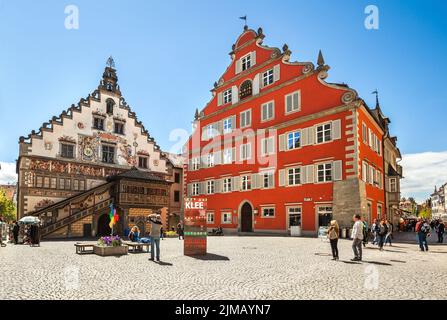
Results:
195 204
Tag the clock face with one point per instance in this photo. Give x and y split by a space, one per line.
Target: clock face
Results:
88 152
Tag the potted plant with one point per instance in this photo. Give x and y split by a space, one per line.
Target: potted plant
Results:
110 246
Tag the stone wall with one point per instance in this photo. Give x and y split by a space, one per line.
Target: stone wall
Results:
349 199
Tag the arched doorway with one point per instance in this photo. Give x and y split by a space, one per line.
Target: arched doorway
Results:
246 218
103 226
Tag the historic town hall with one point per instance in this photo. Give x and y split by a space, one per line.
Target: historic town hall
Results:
95 154
278 146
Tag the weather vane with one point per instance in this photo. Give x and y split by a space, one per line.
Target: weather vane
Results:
110 62
245 19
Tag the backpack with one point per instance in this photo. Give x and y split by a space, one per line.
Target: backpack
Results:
425 228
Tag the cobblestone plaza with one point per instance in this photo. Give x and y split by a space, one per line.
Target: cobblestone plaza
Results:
235 268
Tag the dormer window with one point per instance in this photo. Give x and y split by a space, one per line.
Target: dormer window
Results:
119 127
109 106
109 86
227 96
246 89
246 62
143 162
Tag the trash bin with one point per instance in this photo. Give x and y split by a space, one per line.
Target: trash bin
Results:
343 233
348 233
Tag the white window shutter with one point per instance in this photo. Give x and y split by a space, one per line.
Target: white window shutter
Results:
189 190
370 137
336 129
204 133
218 157
253 58
337 166
238 66
233 122
282 177
254 181
233 154
219 127
303 175
236 184
204 161
256 84
304 137
310 177
219 99
311 135
217 186
234 94
276 72
282 142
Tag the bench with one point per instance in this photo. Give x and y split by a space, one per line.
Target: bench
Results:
84 248
135 247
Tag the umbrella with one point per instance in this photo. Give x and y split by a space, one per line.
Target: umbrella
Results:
29 220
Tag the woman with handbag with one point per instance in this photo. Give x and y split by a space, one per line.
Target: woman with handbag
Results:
332 234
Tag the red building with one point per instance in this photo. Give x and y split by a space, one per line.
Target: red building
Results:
278 146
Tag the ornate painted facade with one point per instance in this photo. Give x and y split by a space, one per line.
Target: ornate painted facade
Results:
81 148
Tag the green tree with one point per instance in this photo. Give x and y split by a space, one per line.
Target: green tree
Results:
7 208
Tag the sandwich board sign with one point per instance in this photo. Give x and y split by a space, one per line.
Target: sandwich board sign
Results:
195 227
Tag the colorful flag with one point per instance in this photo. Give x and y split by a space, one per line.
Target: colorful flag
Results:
113 216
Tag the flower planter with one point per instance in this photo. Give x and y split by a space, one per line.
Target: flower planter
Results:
110 251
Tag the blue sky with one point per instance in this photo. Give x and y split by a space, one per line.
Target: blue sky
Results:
169 53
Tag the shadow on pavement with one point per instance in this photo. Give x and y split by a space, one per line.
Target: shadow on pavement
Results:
350 262
161 263
400 261
378 263
211 257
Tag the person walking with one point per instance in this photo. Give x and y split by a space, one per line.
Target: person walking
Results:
156 226
440 231
365 233
357 238
375 230
162 233
423 230
389 234
180 232
333 234
15 232
383 230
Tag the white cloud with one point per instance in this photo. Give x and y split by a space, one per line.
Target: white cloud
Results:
422 171
8 172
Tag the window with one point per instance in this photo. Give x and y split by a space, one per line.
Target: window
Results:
294 175
67 150
267 111
293 140
46 182
324 172
324 215
228 155
245 119
294 216
246 89
142 162
268 146
210 160
210 217
364 171
176 196
293 102
210 187
81 185
228 125
53 183
246 62
227 97
226 217
324 133
98 123
108 154
393 185
75 184
195 189
227 184
245 151
119 128
67 184
364 133
267 78
371 175
211 131
267 180
268 212
379 211
246 182
62 183
177 177
195 163
39 182
110 104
